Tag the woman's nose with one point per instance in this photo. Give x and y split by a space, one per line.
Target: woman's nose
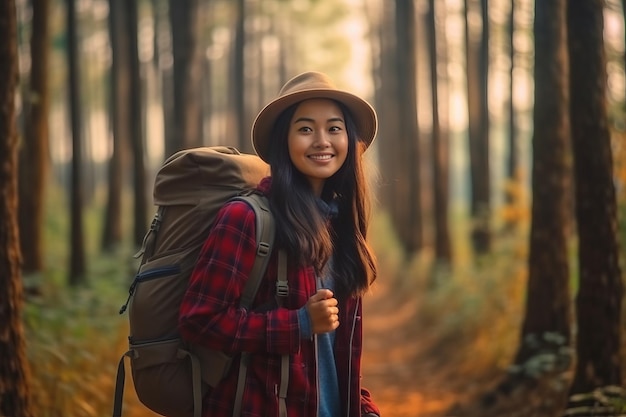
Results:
321 140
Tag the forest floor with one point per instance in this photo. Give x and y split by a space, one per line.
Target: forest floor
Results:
412 370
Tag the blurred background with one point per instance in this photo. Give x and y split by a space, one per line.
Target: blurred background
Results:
499 171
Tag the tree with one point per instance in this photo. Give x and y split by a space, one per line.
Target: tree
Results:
14 374
185 28
237 79
512 163
439 149
162 49
33 167
397 108
137 140
546 325
599 298
120 123
409 199
387 105
77 247
477 67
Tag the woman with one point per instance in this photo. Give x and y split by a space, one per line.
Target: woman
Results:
313 136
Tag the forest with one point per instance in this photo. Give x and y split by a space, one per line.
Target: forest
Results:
499 171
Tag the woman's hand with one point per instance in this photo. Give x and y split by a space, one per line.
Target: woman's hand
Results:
323 311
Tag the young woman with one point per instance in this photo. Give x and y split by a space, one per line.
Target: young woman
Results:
313 136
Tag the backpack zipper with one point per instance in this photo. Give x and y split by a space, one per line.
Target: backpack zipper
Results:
158 272
146 276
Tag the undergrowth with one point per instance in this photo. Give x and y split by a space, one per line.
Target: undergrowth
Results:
479 309
472 310
75 336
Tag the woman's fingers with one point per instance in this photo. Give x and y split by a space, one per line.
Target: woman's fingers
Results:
323 311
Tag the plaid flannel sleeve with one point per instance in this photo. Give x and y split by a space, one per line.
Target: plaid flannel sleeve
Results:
210 314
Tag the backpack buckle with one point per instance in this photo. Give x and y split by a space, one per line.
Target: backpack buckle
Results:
282 288
156 221
263 249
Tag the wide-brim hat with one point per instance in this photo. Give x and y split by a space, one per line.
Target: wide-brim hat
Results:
305 86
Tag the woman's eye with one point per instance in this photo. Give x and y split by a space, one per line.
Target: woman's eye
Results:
305 129
335 129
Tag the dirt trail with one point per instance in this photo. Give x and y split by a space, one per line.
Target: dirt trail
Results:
404 365
414 372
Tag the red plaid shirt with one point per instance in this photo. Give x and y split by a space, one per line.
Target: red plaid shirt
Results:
210 316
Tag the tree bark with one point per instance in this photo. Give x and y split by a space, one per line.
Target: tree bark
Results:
387 107
34 153
120 124
163 50
439 149
477 53
237 80
185 29
599 298
407 199
14 371
137 139
546 326
77 246
513 174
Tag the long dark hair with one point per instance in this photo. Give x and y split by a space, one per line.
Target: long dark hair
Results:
303 231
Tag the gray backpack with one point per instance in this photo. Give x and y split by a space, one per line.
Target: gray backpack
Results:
171 376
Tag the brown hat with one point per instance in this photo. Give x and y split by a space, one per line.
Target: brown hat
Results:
305 86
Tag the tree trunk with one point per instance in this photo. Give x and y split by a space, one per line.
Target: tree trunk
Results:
237 81
208 130
397 110
477 51
513 173
163 50
137 139
599 298
120 124
546 326
286 36
387 108
440 151
185 29
77 246
34 154
14 372
407 199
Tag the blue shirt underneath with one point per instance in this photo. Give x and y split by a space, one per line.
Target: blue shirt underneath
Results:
328 385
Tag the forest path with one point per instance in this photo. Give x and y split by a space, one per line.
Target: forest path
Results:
408 369
413 369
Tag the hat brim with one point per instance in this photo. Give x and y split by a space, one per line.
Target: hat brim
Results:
361 111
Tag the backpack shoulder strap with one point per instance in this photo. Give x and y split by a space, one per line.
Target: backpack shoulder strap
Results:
265 232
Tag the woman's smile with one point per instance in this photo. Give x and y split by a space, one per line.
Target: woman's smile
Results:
321 157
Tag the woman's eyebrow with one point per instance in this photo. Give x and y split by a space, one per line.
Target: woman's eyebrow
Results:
303 119
310 120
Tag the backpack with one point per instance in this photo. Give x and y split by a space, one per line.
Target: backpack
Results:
171 376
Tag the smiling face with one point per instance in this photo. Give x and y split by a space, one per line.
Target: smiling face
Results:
318 141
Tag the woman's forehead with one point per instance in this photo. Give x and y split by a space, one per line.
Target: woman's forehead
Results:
317 105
